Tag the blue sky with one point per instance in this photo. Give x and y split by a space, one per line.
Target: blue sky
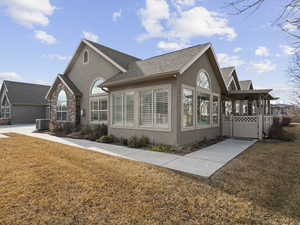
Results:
38 37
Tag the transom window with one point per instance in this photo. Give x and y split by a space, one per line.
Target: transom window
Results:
61 107
96 90
99 109
203 80
5 109
85 57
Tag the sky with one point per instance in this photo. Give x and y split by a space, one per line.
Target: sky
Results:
39 37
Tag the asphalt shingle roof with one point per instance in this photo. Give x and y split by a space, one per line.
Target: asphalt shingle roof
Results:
119 57
26 93
170 62
71 85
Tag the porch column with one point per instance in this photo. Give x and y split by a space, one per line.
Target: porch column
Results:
233 107
250 111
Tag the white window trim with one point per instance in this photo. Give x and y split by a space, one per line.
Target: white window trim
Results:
197 90
88 58
183 127
66 111
5 107
92 85
137 125
97 98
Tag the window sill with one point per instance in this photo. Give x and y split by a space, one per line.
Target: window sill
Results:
141 128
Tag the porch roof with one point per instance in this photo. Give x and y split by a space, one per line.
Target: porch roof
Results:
252 94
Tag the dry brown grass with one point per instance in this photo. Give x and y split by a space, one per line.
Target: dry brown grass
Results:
42 182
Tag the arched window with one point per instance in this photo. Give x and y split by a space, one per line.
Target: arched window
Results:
96 90
203 80
85 57
61 107
5 109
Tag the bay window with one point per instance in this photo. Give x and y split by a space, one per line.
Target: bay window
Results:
188 109
129 109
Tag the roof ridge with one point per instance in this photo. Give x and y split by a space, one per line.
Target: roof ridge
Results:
19 82
92 42
207 43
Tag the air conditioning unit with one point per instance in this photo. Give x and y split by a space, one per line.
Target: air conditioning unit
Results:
42 124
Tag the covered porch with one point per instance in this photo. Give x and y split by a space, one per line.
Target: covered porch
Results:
247 113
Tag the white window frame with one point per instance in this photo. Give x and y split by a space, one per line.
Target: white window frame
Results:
61 111
137 111
99 98
7 109
196 90
184 86
88 57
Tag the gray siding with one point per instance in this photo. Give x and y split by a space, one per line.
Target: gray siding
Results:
27 114
84 75
189 78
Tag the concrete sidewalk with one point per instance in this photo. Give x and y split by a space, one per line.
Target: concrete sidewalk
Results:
204 162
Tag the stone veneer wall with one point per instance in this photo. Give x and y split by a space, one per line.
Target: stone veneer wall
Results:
71 104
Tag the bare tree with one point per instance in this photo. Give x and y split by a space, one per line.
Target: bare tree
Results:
289 21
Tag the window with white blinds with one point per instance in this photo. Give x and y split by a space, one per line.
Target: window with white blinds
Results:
154 108
5 109
142 109
129 109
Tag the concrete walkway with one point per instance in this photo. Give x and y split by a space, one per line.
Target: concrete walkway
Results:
204 162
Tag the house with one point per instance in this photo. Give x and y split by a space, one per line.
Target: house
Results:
282 109
22 102
176 98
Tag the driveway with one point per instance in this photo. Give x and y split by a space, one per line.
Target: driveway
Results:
204 162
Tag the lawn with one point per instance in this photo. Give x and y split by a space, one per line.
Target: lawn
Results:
42 182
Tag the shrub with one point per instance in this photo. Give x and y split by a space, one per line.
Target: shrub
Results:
97 132
144 141
124 141
55 127
106 139
134 142
163 148
277 132
286 121
85 130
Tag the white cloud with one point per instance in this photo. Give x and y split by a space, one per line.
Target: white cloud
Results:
29 12
226 60
182 25
185 2
263 67
10 76
151 16
57 57
90 36
287 50
290 27
236 50
116 15
262 51
44 37
170 46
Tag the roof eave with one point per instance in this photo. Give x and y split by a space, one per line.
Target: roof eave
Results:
140 79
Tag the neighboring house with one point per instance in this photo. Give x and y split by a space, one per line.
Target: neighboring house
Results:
22 102
282 109
176 98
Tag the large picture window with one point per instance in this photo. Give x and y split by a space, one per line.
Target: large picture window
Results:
5 109
117 109
61 107
129 109
188 109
